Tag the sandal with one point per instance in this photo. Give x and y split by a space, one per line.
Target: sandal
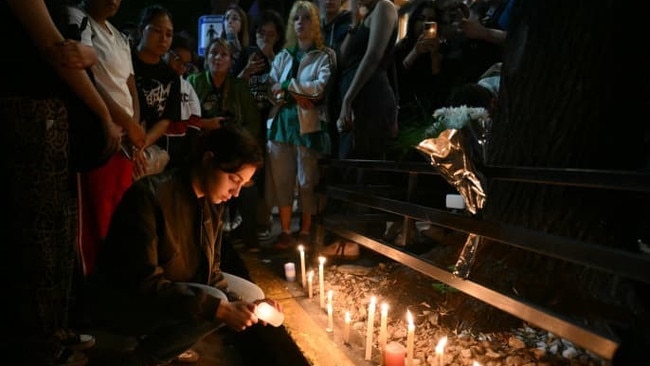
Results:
189 356
75 341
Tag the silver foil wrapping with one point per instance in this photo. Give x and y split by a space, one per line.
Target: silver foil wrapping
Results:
449 156
467 256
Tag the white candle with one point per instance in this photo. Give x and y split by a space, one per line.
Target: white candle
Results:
310 281
330 310
346 328
383 331
440 350
395 354
290 271
330 321
302 266
410 339
321 280
371 325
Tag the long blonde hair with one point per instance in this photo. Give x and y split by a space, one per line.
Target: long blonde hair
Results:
314 16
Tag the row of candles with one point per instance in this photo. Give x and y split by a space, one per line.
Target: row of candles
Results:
393 354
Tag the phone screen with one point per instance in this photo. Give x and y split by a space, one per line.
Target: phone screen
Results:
430 29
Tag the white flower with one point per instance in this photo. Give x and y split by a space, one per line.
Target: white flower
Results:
454 118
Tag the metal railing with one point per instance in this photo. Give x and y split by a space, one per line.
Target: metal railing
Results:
617 262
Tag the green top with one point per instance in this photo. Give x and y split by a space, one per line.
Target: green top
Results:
232 99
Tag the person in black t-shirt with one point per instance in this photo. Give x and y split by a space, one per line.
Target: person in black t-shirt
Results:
158 85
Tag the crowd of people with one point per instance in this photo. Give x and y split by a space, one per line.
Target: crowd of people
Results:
244 127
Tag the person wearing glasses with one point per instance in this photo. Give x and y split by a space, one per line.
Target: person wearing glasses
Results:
181 135
159 277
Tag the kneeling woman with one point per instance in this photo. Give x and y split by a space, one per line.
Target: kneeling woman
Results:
158 276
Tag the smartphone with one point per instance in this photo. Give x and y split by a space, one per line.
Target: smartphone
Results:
430 29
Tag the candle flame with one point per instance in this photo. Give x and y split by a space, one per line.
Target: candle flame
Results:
373 301
409 317
476 364
440 348
301 248
330 294
384 308
321 260
348 318
310 274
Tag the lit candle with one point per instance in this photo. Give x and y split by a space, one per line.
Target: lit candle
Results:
440 350
410 339
370 330
382 329
395 354
321 281
330 321
310 281
346 328
302 266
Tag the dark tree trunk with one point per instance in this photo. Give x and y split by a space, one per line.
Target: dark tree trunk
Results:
575 93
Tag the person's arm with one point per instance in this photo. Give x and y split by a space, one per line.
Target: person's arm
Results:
325 64
135 99
35 17
171 113
383 16
473 29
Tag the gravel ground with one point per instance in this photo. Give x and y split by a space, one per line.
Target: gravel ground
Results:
491 337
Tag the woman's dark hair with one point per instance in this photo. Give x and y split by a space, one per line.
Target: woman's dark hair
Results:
183 40
415 15
242 36
272 16
151 12
232 146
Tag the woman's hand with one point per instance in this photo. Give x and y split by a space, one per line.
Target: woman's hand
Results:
254 65
271 302
74 54
113 135
213 123
237 315
139 162
267 50
345 123
426 44
136 134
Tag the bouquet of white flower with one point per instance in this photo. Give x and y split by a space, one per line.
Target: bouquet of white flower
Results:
454 118
444 145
